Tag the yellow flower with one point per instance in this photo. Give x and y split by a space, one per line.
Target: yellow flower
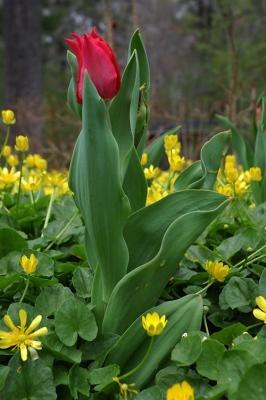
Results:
154 324
8 177
20 336
255 174
125 388
6 151
171 142
226 190
30 161
230 159
29 264
260 313
144 159
12 160
151 172
240 188
218 270
180 391
40 162
8 117
32 184
22 143
231 174
176 162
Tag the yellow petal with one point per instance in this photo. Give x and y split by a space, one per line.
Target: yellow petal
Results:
36 344
34 324
259 314
23 319
40 332
4 334
10 324
23 352
261 302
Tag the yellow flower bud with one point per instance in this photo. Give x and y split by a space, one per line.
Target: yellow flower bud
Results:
29 264
255 174
6 151
144 159
8 117
12 160
22 143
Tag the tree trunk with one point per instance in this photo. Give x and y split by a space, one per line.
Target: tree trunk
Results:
23 66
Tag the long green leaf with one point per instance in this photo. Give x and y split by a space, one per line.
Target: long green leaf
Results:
183 315
238 141
146 282
123 112
72 99
145 229
95 181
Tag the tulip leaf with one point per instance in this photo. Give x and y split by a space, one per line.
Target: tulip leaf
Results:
146 282
72 97
95 179
238 141
137 192
184 315
123 112
259 189
211 154
145 229
136 44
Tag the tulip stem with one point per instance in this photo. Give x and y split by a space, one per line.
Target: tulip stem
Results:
6 140
25 291
141 363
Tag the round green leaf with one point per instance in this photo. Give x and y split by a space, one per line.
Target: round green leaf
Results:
208 362
82 281
253 384
73 319
11 240
28 381
187 351
51 299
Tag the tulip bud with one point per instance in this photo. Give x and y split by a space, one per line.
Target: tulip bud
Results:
29 264
96 57
8 117
6 151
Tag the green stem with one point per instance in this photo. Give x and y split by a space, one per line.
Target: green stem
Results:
132 371
6 140
206 324
63 230
49 210
203 290
21 157
25 291
250 257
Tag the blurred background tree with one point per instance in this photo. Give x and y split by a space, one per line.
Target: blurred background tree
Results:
206 56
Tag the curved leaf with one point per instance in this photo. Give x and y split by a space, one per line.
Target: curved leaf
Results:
146 283
95 180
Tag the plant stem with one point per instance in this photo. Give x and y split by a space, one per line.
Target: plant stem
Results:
141 363
6 140
21 157
206 324
63 230
25 291
49 210
203 290
250 257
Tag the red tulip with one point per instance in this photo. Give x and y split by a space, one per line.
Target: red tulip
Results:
97 57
